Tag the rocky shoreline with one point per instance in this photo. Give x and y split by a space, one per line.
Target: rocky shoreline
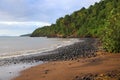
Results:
110 75
101 67
87 48
76 54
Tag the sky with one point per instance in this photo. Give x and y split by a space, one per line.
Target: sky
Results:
19 17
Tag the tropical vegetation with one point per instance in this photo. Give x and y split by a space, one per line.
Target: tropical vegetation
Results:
100 20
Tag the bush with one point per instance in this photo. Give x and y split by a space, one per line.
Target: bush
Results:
111 36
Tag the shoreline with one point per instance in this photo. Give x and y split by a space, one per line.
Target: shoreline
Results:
11 71
87 65
101 67
61 43
87 48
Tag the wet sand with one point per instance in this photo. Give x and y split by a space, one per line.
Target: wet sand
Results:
73 69
10 71
86 48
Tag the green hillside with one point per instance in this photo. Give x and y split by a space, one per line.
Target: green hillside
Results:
99 20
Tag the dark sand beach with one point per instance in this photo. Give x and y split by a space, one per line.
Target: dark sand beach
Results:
103 67
12 65
79 61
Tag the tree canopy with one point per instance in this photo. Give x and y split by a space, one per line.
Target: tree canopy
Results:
102 18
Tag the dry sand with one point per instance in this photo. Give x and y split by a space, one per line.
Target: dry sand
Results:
68 70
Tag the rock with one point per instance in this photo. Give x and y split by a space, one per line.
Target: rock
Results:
46 71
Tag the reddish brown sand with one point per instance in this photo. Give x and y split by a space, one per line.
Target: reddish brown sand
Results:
67 70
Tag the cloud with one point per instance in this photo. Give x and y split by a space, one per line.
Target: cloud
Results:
39 10
23 16
50 10
23 23
18 28
4 32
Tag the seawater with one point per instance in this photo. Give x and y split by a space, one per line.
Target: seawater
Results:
20 46
17 46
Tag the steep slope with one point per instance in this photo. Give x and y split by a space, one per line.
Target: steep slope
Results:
83 23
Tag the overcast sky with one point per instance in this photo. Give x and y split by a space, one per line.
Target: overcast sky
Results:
23 16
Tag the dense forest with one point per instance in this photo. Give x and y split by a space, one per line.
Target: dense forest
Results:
99 20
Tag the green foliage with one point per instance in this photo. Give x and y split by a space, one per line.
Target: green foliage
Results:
99 19
111 38
83 23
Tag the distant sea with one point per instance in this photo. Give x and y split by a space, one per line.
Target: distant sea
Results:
17 46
